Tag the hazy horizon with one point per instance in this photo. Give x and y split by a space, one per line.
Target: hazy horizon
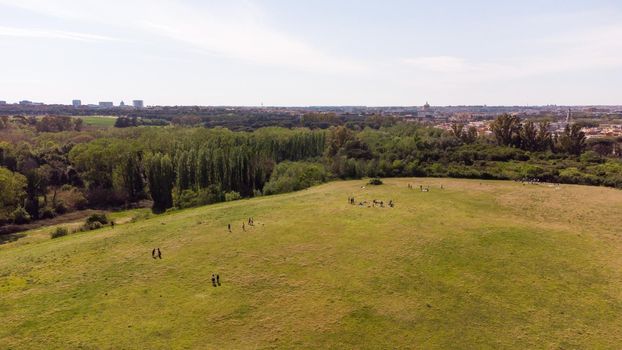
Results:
325 53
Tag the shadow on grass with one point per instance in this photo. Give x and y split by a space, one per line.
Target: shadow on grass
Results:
11 237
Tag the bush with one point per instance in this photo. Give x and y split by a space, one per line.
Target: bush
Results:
59 232
47 213
189 198
101 218
294 176
232 196
591 157
20 216
60 208
375 181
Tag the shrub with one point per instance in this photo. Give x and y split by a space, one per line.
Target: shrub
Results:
591 157
20 216
375 181
189 198
95 222
47 213
101 218
294 176
95 219
59 232
232 196
60 207
92 226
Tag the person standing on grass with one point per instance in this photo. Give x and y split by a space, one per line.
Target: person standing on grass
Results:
213 280
218 279
243 227
153 253
229 227
159 254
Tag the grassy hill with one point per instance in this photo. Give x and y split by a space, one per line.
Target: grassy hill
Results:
478 264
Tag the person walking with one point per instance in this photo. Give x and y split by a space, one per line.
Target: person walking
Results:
159 254
217 279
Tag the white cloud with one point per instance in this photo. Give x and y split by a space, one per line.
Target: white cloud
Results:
51 34
237 30
595 49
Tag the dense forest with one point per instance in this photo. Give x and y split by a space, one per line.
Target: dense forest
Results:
53 165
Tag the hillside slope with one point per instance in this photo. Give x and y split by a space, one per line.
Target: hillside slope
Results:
478 264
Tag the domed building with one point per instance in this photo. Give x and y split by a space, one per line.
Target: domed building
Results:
425 111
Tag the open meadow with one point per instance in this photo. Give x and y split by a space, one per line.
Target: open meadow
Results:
102 121
475 265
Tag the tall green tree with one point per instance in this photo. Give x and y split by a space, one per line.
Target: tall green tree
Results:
544 137
161 177
529 136
506 130
572 140
13 190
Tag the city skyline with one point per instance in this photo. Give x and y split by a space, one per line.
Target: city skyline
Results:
249 53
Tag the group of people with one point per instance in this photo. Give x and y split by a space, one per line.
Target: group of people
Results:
216 280
156 253
251 222
375 203
423 188
528 180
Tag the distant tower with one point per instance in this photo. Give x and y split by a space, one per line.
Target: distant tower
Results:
76 103
138 103
122 104
426 107
568 116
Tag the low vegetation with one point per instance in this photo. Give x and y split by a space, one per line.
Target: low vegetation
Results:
59 232
375 181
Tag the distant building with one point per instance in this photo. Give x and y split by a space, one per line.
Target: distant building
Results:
106 104
2 102
425 111
76 103
138 103
25 103
122 104
426 107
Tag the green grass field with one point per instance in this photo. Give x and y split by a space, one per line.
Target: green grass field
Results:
100 121
477 265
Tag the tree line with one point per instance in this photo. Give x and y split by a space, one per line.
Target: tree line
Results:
45 171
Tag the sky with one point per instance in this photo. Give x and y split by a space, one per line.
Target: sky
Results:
312 53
